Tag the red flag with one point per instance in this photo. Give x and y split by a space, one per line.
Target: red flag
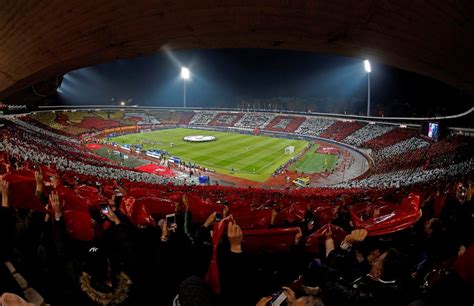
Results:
79 225
137 212
22 190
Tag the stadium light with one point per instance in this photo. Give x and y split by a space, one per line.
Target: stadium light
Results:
368 69
367 66
185 74
122 103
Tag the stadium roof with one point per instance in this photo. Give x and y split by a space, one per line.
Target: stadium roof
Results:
43 39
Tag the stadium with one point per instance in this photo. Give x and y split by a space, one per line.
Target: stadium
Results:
253 156
184 196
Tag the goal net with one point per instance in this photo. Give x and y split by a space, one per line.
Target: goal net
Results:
289 150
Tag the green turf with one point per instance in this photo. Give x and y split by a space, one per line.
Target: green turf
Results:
244 153
131 162
312 162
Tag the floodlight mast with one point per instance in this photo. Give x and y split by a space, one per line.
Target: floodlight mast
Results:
368 69
185 74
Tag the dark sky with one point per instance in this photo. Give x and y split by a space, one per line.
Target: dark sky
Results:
223 78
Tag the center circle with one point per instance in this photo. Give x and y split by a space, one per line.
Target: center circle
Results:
199 138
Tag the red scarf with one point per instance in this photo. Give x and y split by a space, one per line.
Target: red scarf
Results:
212 277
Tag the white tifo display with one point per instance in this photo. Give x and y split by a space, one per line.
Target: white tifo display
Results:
289 150
199 138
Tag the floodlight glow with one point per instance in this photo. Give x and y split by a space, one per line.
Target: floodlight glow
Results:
122 103
185 73
368 69
367 66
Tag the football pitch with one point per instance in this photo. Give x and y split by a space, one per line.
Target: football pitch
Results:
312 162
251 157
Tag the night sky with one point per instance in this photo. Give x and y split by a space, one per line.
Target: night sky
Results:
224 78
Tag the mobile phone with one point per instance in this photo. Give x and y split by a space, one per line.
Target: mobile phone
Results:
170 221
104 208
218 216
277 299
118 200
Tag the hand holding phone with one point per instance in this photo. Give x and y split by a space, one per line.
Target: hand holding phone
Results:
171 221
104 208
278 299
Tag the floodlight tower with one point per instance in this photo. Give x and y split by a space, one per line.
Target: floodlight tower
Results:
368 69
185 74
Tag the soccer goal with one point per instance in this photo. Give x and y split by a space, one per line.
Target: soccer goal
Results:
289 150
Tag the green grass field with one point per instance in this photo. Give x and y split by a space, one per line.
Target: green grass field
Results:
312 162
252 157
131 162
